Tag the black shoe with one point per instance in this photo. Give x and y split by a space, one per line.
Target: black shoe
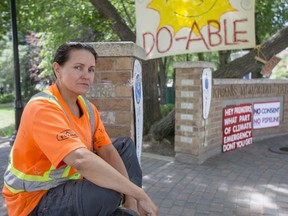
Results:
121 211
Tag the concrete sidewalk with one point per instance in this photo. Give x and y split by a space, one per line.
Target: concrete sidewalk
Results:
249 181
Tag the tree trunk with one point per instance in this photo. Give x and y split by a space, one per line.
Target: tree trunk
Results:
224 57
109 12
162 128
151 108
162 79
150 94
241 66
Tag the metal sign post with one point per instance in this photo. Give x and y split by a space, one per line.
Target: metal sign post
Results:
18 100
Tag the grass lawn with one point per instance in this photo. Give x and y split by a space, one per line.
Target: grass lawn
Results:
7 119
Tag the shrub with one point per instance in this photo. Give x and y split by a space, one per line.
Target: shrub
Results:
166 108
6 98
7 131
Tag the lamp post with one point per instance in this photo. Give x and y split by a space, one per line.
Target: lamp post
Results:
18 100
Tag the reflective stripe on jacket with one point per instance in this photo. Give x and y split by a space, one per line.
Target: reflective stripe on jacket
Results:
17 181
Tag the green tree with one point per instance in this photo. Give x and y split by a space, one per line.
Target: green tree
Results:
5 19
33 78
281 69
70 20
241 66
79 21
6 63
271 16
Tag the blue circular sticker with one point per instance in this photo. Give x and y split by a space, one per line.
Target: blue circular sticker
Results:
138 88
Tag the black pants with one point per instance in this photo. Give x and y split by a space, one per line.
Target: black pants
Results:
83 198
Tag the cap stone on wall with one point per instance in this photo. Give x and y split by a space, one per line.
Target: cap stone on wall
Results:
197 64
123 48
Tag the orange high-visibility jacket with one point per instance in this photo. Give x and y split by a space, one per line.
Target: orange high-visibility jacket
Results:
47 133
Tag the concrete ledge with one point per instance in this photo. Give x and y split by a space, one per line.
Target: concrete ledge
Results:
199 159
118 49
197 64
188 158
247 81
157 156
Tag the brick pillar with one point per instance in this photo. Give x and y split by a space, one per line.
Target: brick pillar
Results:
112 91
189 123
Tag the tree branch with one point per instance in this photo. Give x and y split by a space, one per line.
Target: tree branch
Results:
241 66
109 12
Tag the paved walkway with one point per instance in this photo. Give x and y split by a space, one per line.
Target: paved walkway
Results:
250 181
4 154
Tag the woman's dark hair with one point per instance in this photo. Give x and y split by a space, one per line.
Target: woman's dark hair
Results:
63 52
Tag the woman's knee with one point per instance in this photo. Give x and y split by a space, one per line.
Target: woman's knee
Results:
124 143
97 200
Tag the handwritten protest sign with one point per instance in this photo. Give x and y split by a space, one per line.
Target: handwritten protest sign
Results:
237 127
185 26
266 114
267 69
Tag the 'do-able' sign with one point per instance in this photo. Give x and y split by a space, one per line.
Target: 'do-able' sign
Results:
237 127
173 27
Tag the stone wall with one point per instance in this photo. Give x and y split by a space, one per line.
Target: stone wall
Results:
112 91
197 139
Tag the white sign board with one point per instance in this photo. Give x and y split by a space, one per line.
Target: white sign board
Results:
206 91
138 106
173 27
266 114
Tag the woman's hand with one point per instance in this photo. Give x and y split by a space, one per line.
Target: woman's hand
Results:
146 207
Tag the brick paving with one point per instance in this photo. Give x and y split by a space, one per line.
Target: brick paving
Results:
250 181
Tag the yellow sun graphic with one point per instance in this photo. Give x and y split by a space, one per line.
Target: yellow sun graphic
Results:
183 13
